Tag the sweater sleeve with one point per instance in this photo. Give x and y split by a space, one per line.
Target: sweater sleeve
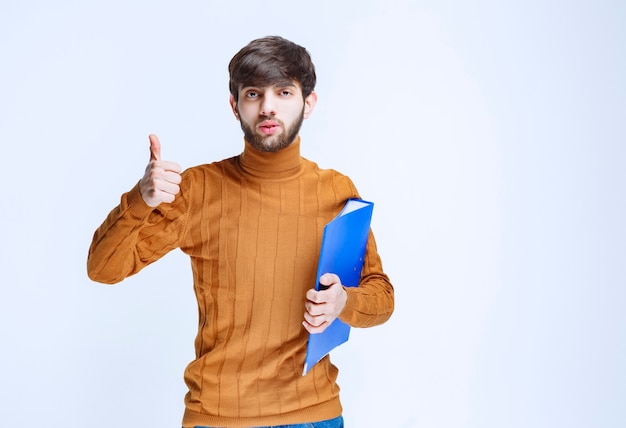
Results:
132 236
372 302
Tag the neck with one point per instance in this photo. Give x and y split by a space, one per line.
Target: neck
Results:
285 163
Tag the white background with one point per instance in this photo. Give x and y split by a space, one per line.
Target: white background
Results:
490 134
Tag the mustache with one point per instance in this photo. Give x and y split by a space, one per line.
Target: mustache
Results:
271 117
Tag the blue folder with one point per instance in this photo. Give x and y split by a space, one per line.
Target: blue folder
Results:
342 253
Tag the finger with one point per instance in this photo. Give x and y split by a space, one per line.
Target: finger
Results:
307 326
315 297
314 320
169 187
172 177
166 197
171 166
315 329
311 295
329 279
165 187
314 309
155 148
317 321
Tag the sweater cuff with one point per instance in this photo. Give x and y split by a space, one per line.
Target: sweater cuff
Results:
135 204
346 314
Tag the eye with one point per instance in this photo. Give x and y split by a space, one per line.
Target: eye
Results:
252 94
285 92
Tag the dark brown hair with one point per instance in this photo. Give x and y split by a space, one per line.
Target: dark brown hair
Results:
269 61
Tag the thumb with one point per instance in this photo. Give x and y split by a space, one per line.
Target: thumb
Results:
329 279
155 148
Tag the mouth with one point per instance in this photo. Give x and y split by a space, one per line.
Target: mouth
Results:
268 127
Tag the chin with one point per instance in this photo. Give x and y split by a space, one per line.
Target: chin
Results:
270 145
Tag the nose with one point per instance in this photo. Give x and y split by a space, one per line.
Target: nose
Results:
268 106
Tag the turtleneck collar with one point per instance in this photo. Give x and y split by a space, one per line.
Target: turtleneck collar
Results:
285 163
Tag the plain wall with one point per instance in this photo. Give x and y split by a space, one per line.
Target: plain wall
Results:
490 135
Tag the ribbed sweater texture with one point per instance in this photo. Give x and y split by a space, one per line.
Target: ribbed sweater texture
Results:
252 226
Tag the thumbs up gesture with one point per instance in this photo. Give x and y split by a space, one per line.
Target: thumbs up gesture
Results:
161 181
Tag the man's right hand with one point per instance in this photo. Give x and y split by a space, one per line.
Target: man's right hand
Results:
161 180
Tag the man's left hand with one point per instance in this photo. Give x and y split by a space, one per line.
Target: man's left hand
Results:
322 307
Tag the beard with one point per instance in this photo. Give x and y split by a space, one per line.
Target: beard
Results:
272 143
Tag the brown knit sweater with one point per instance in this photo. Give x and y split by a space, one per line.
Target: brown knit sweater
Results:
252 226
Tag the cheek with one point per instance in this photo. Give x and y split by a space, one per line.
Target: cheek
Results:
295 111
244 113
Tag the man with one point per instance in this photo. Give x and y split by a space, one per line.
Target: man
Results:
252 226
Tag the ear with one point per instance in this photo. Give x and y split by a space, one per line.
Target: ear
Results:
309 104
233 106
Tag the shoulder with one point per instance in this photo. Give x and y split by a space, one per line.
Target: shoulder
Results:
209 171
332 179
200 182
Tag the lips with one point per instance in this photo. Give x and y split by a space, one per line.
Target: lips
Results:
268 127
